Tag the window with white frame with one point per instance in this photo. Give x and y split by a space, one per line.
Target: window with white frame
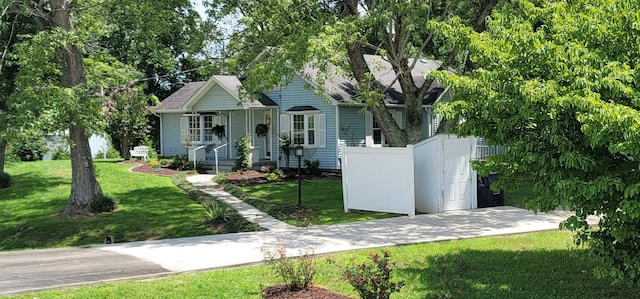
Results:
199 129
375 137
306 128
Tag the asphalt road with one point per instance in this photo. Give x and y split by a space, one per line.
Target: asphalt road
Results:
26 271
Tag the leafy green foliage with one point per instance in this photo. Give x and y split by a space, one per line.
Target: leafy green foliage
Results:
217 211
61 153
102 204
243 153
372 279
31 147
281 38
562 94
126 109
181 162
312 166
297 274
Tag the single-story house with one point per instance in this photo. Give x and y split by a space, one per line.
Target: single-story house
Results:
214 114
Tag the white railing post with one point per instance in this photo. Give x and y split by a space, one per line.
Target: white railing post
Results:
215 152
195 156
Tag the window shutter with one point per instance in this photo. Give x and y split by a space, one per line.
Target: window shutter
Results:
184 126
321 130
368 129
285 124
397 115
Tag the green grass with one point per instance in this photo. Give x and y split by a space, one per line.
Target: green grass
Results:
321 201
536 265
149 207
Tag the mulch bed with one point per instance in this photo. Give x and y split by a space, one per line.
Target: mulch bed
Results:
253 177
145 168
281 291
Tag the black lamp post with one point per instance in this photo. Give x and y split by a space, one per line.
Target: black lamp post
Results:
299 152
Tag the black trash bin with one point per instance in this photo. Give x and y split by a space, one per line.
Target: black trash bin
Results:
486 196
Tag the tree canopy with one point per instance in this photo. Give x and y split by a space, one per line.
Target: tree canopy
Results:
558 82
332 33
76 49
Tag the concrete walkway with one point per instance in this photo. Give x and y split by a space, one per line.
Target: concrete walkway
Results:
27 271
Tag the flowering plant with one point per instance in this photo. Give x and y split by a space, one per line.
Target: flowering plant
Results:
298 274
372 279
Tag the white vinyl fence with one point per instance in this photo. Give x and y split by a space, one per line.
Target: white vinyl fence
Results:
432 176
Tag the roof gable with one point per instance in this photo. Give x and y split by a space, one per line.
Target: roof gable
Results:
189 95
177 99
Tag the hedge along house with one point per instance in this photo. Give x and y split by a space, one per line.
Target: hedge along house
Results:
320 122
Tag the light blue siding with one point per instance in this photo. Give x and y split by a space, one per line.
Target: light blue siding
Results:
295 94
237 129
171 139
352 124
217 99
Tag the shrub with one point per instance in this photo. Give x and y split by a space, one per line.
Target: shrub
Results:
286 147
372 279
217 211
181 162
243 152
5 180
30 148
102 204
312 166
111 153
296 274
61 153
272 176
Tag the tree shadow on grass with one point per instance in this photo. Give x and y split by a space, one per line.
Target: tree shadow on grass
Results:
24 185
142 214
509 274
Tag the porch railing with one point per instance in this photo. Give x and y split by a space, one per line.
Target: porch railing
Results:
195 150
215 151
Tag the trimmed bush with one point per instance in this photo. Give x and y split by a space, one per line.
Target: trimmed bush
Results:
5 180
102 204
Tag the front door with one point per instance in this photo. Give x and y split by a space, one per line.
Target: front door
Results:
457 179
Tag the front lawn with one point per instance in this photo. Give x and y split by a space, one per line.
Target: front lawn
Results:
537 265
321 199
150 207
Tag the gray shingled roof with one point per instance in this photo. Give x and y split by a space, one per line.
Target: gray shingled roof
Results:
181 96
343 89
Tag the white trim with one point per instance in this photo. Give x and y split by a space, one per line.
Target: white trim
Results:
161 136
337 136
303 112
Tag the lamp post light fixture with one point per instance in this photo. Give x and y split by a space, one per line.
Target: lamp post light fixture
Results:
299 153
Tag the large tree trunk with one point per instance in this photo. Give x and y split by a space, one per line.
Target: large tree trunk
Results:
125 146
84 186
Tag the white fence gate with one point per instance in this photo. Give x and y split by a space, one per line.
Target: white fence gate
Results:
432 176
